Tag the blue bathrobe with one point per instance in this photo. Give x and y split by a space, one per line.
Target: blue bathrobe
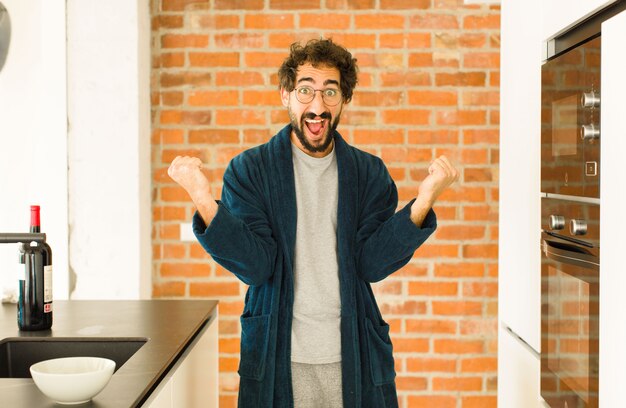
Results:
253 235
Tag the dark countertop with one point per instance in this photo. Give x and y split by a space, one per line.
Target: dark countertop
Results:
169 325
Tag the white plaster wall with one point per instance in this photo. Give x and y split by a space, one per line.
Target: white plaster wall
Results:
109 148
33 148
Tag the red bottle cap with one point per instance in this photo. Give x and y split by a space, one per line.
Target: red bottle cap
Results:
34 216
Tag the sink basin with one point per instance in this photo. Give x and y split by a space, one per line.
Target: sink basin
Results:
18 354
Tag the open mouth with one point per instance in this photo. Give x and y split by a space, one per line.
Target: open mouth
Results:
316 126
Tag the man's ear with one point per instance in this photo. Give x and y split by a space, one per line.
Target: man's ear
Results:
284 96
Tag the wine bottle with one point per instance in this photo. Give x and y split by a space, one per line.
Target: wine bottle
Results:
35 289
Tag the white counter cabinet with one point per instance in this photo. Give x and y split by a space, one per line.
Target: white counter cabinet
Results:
193 381
518 373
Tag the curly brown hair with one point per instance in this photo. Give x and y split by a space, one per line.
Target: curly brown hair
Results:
322 52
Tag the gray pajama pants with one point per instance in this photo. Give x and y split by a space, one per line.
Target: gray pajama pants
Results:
316 385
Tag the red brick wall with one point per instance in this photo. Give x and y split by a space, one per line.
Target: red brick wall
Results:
428 84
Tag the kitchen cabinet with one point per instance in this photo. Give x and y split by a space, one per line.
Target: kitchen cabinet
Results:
192 382
518 372
519 298
612 220
560 15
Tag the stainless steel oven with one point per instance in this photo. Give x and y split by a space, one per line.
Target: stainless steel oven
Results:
570 303
570 128
570 206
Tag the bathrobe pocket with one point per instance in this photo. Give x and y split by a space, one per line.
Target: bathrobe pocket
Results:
255 332
380 353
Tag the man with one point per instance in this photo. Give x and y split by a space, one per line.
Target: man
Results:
309 222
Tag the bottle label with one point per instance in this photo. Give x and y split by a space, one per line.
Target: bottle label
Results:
47 286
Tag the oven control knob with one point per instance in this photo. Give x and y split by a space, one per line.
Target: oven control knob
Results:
590 100
557 222
589 132
577 227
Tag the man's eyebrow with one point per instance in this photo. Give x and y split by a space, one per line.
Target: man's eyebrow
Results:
305 79
309 79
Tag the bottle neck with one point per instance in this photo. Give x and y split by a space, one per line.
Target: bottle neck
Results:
35 223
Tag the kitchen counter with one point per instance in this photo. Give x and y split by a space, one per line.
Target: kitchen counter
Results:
168 325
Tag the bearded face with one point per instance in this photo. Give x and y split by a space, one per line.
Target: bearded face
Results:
313 112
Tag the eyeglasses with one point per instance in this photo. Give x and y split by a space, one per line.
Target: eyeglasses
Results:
330 96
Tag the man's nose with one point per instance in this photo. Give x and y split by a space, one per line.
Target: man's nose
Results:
317 104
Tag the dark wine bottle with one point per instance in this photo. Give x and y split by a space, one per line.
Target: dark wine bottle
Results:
35 289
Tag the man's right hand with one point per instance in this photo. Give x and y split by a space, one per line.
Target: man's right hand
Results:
187 172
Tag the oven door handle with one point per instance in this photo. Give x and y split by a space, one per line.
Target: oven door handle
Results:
570 254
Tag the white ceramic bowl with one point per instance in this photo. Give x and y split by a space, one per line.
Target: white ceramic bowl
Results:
72 380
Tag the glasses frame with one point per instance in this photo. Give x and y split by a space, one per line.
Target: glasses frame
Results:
321 92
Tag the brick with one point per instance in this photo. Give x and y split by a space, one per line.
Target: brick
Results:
239 117
448 346
403 307
461 117
405 4
481 136
325 21
407 383
179 5
174 79
262 98
431 326
214 59
456 308
482 60
350 4
431 364
269 21
228 364
294 4
420 59
213 289
213 22
433 98
167 21
489 251
240 40
460 79
264 59
168 289
457 384
239 4
478 175
186 270
430 288
432 401
379 21
175 251
490 21
388 98
410 345
433 21
406 155
238 79
174 194
167 136
479 327
213 98
407 117
405 79
460 232
353 41
184 41
168 213
367 136
429 137
230 345
479 364
214 136
479 401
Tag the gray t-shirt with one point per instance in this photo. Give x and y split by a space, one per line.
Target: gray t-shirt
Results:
316 331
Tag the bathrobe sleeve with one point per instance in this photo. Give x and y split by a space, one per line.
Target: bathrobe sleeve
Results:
386 239
240 235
